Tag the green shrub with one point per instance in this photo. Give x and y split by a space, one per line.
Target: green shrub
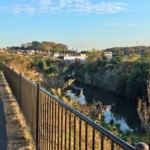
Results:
49 61
41 64
111 122
51 69
136 84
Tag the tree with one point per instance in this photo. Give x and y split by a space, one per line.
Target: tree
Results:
136 83
61 46
35 45
102 61
46 46
23 45
120 54
116 60
93 56
49 61
41 64
51 69
77 62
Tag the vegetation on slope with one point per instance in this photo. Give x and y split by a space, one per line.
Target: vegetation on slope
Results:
101 73
121 76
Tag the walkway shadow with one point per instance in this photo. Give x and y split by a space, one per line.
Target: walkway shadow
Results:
3 134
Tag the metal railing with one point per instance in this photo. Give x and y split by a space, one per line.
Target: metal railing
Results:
54 124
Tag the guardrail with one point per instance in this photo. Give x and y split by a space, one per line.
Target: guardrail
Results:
54 124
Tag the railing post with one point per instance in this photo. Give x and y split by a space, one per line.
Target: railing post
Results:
141 146
20 89
37 117
11 80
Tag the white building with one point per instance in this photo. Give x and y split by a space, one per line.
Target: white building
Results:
108 55
72 58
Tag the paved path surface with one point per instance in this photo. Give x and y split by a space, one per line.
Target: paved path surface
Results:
11 132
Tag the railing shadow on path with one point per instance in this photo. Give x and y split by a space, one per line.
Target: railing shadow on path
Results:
3 134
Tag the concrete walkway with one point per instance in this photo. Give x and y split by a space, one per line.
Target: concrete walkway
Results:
11 132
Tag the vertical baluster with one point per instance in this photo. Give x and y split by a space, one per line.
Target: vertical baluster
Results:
43 96
55 125
61 127
37 117
58 125
93 142
80 134
42 142
102 142
52 121
40 113
74 132
86 136
40 126
65 127
46 122
50 124
112 145
70 131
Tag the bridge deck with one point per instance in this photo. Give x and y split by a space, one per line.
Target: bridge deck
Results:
11 131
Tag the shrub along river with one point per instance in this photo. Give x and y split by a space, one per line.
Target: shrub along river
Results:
124 110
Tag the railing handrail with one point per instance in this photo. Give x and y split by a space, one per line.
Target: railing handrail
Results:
113 137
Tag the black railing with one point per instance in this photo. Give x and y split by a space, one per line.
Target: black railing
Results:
54 124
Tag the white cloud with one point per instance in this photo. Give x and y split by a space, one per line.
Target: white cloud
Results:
77 6
121 24
21 8
45 2
16 9
29 9
44 5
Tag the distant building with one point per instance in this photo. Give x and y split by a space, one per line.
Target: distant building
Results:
62 53
73 58
83 53
68 55
108 55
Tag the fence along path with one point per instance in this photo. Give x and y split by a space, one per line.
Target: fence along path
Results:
11 131
54 124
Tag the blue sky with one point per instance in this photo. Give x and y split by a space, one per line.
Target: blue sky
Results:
80 24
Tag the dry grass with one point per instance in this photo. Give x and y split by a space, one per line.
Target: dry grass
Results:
51 125
26 130
21 64
18 116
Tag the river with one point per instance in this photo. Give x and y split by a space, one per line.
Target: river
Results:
121 107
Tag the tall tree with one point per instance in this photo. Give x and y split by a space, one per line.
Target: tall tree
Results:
46 46
102 61
61 47
137 81
93 56
35 45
